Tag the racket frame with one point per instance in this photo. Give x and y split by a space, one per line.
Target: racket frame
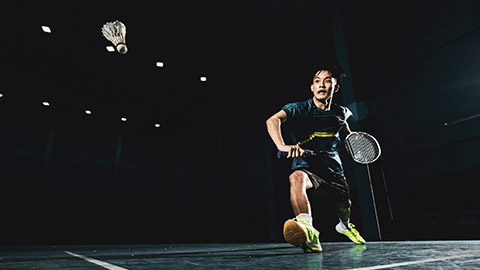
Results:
350 151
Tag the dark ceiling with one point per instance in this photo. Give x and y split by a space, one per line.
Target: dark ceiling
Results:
71 68
233 44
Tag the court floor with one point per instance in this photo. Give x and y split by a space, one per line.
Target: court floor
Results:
336 255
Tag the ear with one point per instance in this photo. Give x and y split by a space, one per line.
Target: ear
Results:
311 87
337 87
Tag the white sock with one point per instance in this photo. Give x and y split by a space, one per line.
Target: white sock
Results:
307 218
345 224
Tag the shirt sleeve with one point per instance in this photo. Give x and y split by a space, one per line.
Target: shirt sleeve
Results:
347 113
292 110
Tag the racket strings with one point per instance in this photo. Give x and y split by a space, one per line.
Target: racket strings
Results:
363 148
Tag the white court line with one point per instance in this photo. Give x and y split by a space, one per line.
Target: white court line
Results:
97 262
416 262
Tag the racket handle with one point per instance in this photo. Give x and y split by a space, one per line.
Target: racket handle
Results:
281 154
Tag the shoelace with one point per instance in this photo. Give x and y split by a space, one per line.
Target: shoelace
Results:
302 220
353 230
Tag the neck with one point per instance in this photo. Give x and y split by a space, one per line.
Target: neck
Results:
323 104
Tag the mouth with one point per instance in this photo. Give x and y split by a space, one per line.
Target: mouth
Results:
322 92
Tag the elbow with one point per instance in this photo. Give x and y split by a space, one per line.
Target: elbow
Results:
270 121
275 121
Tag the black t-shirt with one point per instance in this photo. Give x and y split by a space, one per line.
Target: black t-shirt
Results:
318 130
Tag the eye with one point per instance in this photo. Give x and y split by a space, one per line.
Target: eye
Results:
329 81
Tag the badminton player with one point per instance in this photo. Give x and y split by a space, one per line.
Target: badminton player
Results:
315 125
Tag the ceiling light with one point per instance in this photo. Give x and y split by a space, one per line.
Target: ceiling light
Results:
1 95
124 119
157 125
159 64
110 48
203 79
46 29
88 112
46 104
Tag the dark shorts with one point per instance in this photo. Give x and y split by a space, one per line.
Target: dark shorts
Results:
335 185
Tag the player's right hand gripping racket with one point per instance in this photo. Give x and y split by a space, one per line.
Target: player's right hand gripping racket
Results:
363 147
307 153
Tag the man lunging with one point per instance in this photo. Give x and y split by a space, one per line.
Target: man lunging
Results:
316 124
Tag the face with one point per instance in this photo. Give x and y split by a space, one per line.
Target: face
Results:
324 85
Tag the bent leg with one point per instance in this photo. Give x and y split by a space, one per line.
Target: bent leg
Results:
345 227
343 209
299 183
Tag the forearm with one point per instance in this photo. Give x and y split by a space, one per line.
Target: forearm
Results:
275 131
347 128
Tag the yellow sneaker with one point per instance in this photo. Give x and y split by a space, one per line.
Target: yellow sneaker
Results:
299 233
352 234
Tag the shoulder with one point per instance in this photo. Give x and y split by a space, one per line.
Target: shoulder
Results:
301 105
342 111
297 108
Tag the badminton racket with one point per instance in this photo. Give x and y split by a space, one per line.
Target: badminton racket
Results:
362 147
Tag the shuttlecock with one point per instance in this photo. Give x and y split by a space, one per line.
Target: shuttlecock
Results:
116 32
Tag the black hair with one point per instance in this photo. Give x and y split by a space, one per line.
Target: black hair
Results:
332 66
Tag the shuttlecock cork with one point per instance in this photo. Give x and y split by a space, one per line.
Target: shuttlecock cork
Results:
116 32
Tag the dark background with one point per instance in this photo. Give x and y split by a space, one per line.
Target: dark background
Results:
209 173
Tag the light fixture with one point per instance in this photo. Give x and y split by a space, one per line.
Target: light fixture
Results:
124 119
159 64
88 112
46 104
110 48
46 29
157 125
1 95
203 79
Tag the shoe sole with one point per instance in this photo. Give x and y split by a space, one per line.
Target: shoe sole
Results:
294 234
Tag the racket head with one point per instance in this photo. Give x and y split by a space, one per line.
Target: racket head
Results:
363 147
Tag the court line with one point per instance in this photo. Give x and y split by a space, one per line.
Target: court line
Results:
416 262
97 262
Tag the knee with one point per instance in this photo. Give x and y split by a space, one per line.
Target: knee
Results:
297 179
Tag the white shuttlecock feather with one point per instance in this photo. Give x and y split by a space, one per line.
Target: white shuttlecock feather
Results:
116 32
